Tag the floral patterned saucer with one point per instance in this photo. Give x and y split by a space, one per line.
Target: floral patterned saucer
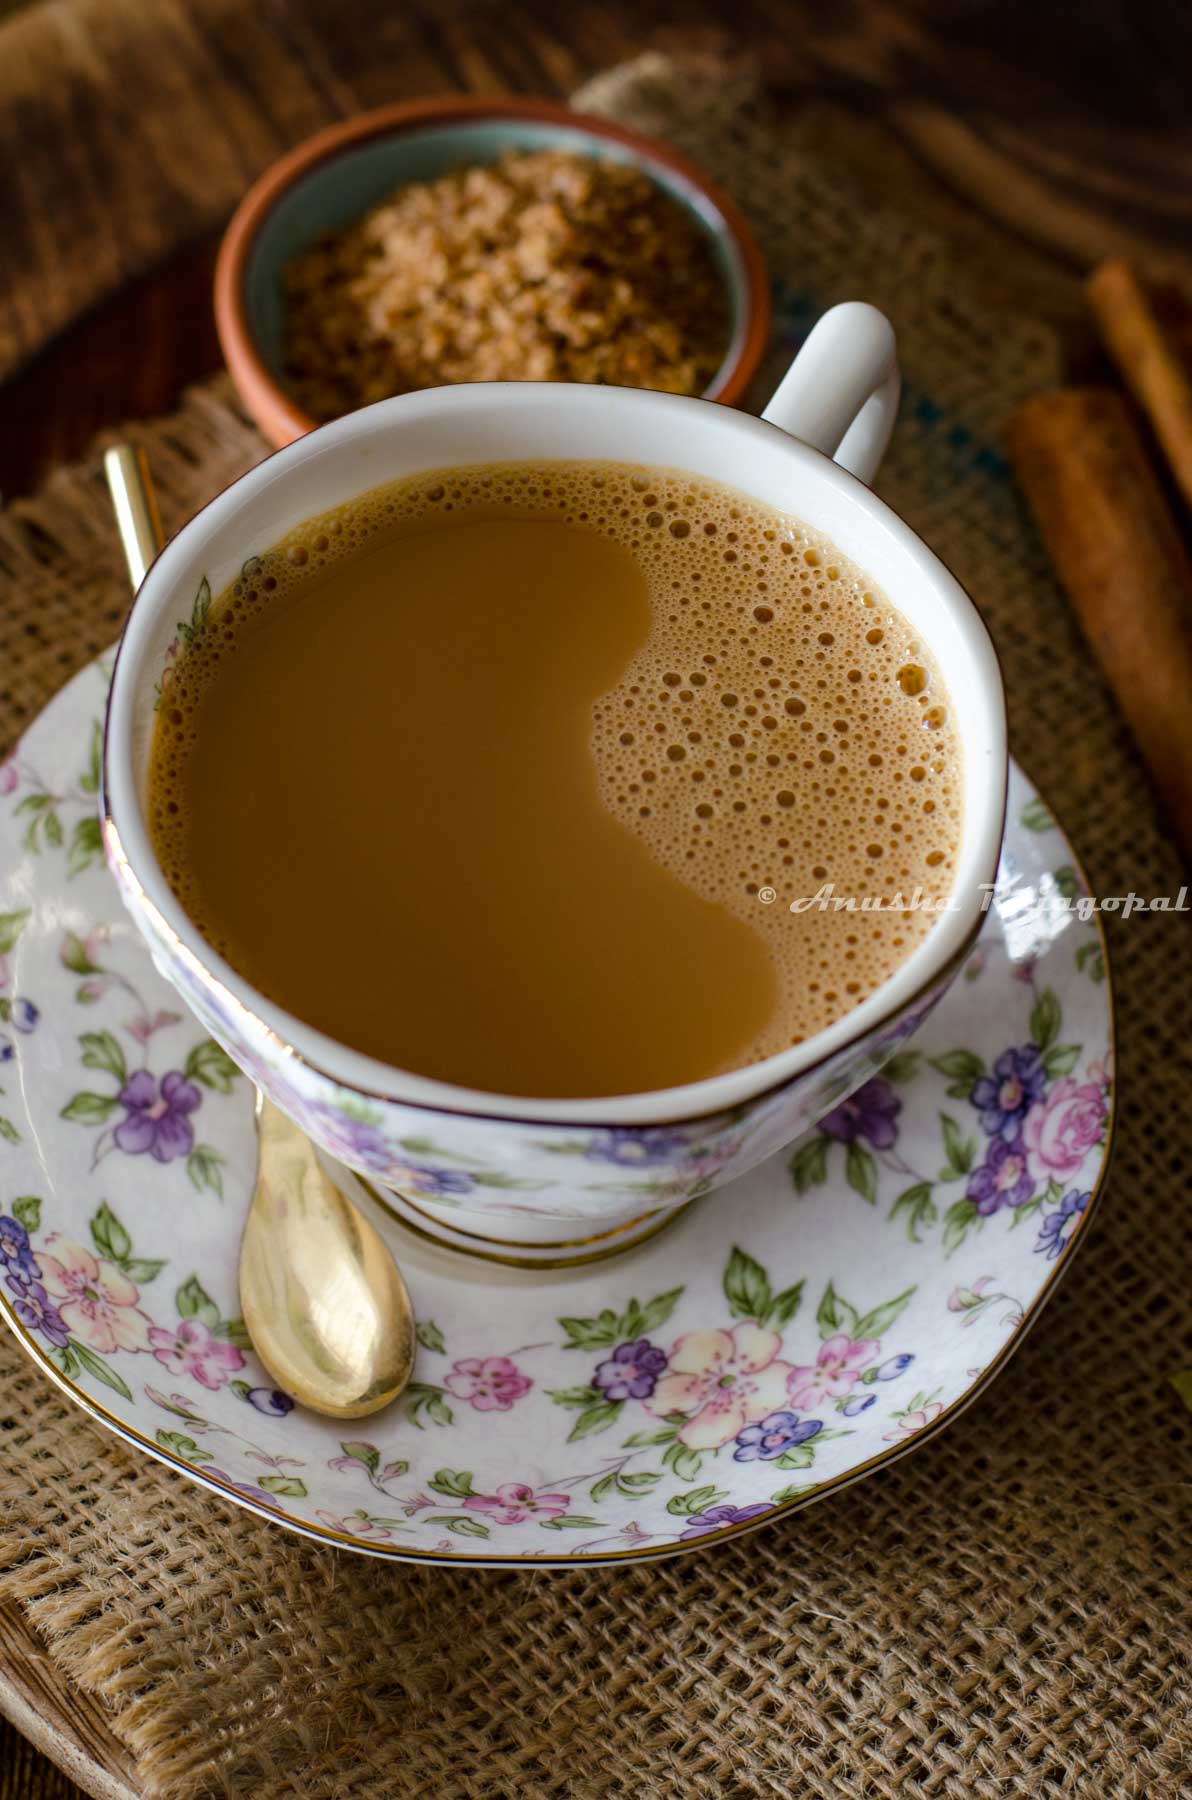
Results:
815 1319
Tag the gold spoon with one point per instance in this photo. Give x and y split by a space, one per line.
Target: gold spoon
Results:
323 1300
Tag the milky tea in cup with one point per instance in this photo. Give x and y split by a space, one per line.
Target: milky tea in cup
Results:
507 775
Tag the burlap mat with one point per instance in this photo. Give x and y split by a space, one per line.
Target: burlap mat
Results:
1004 1612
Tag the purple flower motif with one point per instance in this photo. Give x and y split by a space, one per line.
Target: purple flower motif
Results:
426 1180
893 1367
857 1403
717 1517
6 1049
871 1113
34 1308
631 1371
777 1432
1003 1179
1004 1098
24 1015
270 1400
1058 1226
240 1487
636 1149
20 1264
353 1140
157 1121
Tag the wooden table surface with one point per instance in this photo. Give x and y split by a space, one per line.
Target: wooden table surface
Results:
1066 124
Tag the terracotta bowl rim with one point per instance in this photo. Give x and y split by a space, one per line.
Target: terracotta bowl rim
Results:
274 410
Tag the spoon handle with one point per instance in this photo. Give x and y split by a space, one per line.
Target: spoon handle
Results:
135 504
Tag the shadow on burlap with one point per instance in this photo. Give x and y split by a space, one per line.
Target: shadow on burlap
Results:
1003 1612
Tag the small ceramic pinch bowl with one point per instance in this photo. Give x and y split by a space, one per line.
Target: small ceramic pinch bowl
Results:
338 175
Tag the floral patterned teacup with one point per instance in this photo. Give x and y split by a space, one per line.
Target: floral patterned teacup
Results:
540 1173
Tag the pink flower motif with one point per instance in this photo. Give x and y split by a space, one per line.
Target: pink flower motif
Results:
723 1381
97 1303
356 1525
488 1383
913 1421
1061 1130
514 1503
143 1027
8 776
191 1348
962 1299
836 1369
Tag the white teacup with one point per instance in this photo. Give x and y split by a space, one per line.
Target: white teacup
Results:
542 1175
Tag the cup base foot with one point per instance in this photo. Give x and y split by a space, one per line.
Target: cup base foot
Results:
556 1244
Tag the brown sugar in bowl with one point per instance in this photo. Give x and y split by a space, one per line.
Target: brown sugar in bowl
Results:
334 178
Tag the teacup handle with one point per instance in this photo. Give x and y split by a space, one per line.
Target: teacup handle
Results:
840 395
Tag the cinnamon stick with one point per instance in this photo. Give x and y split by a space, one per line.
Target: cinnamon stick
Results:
1081 459
1150 356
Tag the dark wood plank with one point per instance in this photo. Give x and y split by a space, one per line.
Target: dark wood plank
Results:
57 1743
1074 137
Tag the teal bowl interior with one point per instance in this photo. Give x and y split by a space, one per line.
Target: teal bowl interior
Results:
347 183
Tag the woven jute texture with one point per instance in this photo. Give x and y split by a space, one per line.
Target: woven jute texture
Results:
1004 1612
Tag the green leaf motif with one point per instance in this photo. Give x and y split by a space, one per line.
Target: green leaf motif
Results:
11 926
1061 1059
9 1132
462 1524
746 1286
287 1486
958 1149
89 779
74 956
1035 816
576 1396
637 1321
962 1068
592 1334
698 1500
27 1212
101 1370
179 1444
876 1323
210 1063
571 1522
109 1236
430 1337
194 1302
918 1207
902 1066
363 1452
958 1221
618 1482
791 1493
90 1109
1045 1019
203 1166
420 1397
142 1269
86 845
234 1331
54 834
860 1170
456 1482
834 1314
809 1164
645 1440
1090 961
685 1463
1067 882
595 1418
784 1306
